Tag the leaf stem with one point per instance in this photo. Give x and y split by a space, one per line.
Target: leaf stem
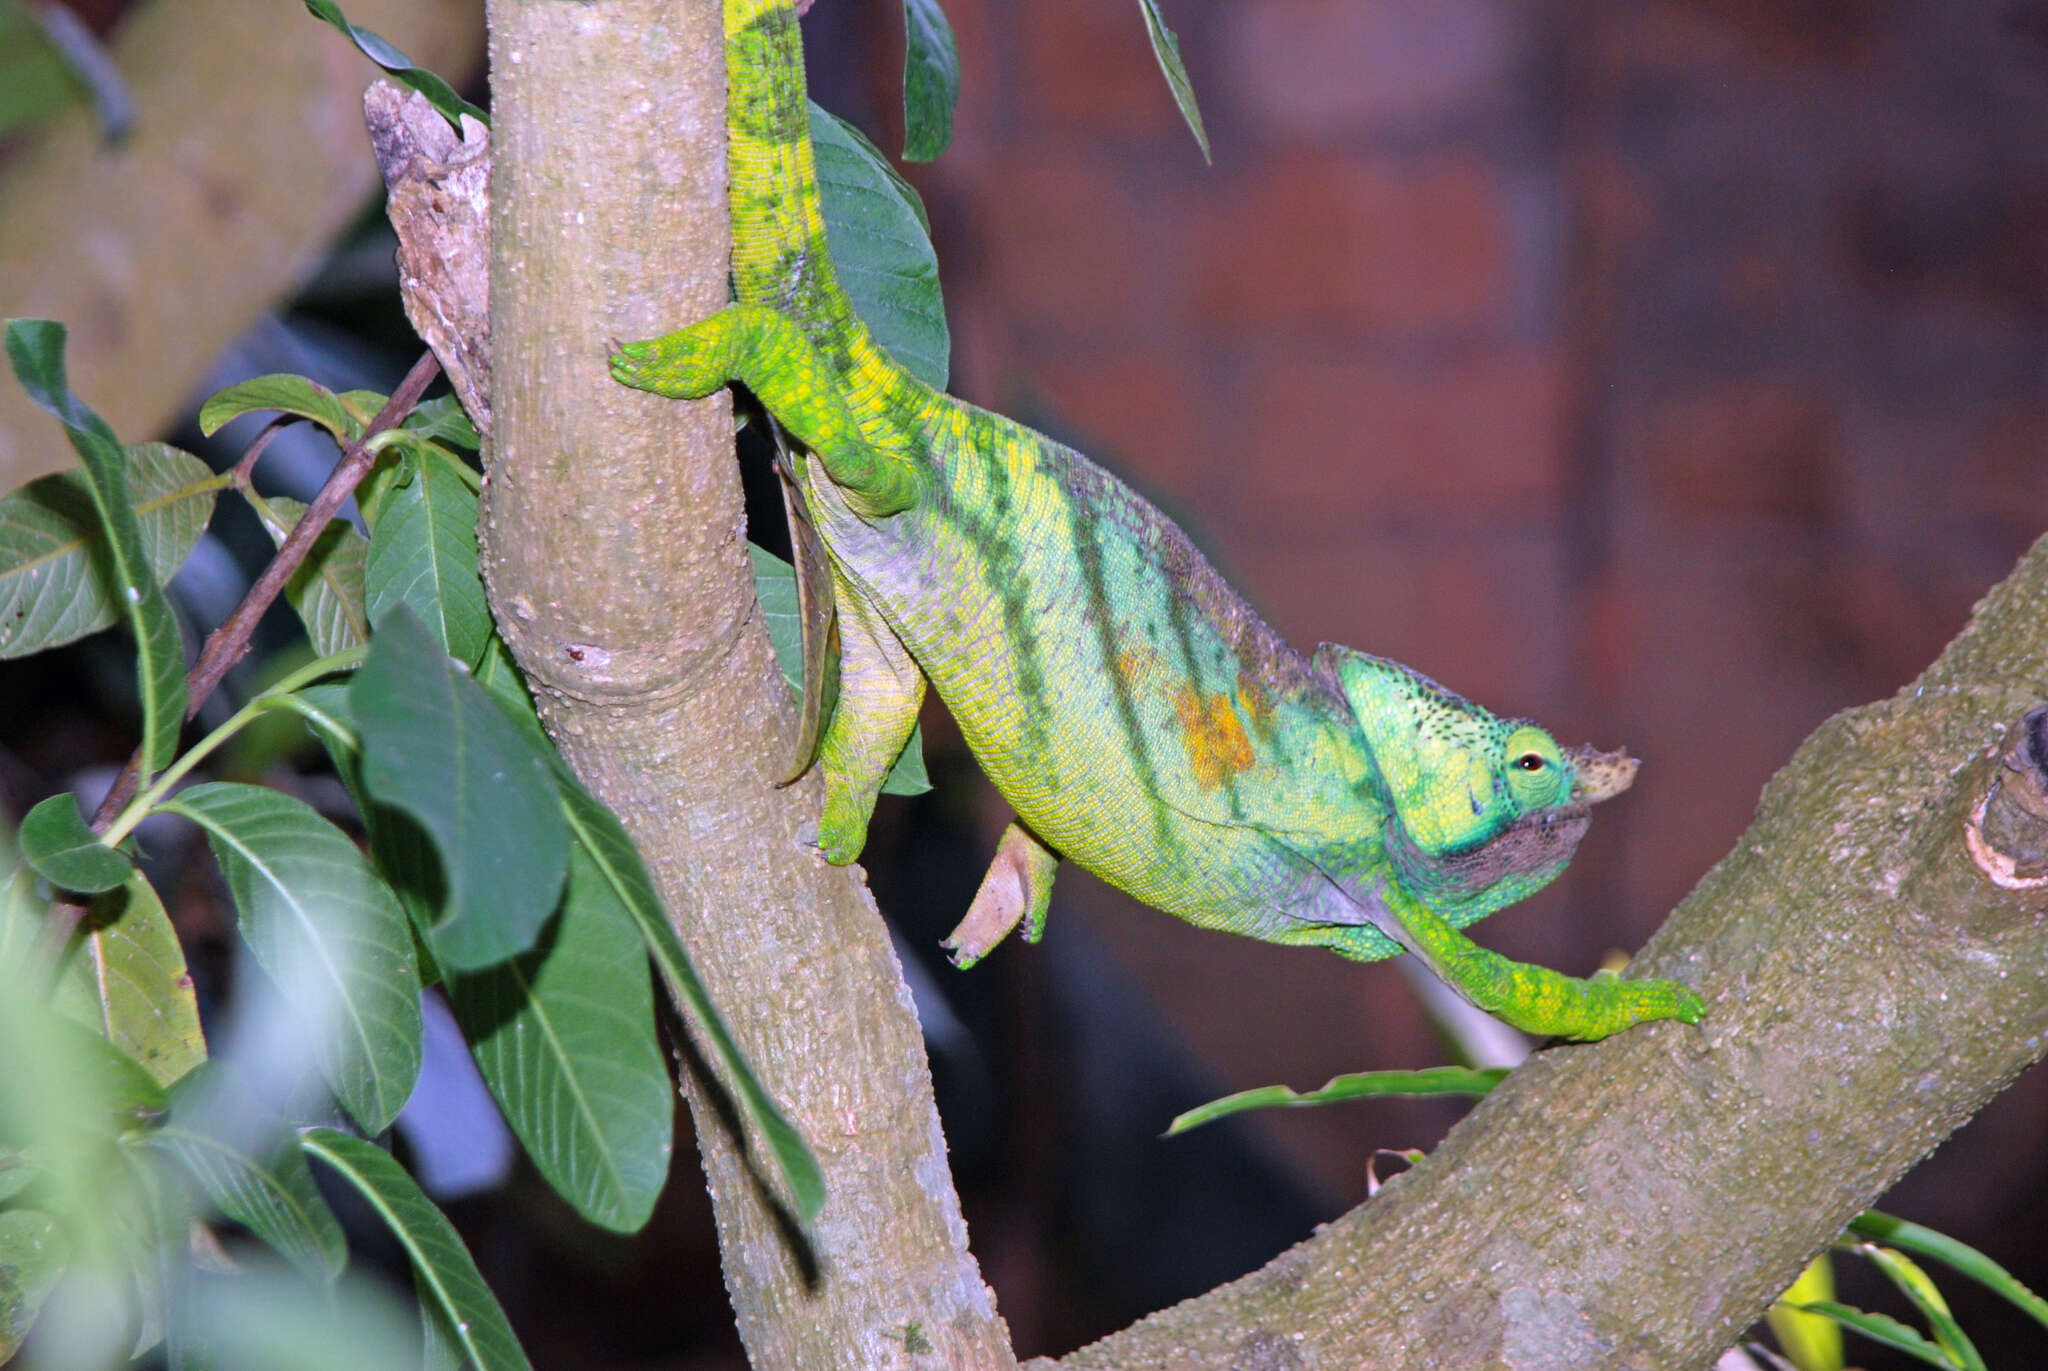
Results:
228 644
278 694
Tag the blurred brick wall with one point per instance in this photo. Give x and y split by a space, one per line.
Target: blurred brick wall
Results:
1671 372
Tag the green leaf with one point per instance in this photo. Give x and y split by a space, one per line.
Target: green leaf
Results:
1917 1287
1957 1256
24 904
329 933
880 241
440 1262
55 841
285 393
438 748
35 348
444 420
136 981
931 80
1812 1342
439 93
32 1254
274 1198
564 1036
34 81
1358 1085
1884 1329
775 585
423 555
267 1319
57 579
327 589
1167 49
611 852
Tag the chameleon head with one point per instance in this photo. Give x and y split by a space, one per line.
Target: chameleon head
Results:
1485 810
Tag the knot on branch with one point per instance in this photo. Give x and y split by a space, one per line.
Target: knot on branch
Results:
439 201
2007 832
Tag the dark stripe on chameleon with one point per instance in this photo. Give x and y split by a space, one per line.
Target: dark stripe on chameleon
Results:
1088 557
1008 578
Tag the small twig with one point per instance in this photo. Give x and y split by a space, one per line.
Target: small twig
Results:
228 644
244 469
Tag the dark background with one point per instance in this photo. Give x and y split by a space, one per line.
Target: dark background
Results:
1670 372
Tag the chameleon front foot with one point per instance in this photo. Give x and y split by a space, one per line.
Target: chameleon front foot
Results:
687 364
1594 1008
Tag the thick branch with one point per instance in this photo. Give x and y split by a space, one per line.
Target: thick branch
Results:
614 551
1637 1202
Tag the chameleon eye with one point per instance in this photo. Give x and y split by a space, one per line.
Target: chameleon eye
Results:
1530 761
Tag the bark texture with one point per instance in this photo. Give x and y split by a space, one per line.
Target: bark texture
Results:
615 552
245 160
1872 978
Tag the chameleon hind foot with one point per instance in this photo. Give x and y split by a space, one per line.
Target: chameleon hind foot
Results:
1017 889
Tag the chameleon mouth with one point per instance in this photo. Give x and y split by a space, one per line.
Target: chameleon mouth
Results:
1534 843
1600 775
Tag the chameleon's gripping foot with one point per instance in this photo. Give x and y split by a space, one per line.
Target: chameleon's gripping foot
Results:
1612 1004
1017 889
685 365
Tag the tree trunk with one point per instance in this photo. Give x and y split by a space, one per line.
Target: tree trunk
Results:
614 547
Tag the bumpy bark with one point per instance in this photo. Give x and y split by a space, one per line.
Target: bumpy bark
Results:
1871 955
1870 952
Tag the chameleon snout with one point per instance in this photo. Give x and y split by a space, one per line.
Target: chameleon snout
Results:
1600 775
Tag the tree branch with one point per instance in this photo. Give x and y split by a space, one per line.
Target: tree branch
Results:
613 549
1872 978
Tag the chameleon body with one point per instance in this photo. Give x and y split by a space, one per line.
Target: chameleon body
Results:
1136 713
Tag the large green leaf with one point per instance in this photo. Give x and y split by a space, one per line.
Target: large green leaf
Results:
55 840
423 556
57 581
327 589
1166 48
931 80
438 748
32 1255
564 1035
881 244
284 393
611 852
775 586
1358 1085
35 348
274 1197
440 1262
136 983
439 93
328 932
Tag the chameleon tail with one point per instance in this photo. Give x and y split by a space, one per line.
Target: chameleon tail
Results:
780 256
779 252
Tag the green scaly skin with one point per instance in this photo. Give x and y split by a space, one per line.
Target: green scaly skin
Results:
1141 719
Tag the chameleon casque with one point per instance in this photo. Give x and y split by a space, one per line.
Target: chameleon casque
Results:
1136 713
